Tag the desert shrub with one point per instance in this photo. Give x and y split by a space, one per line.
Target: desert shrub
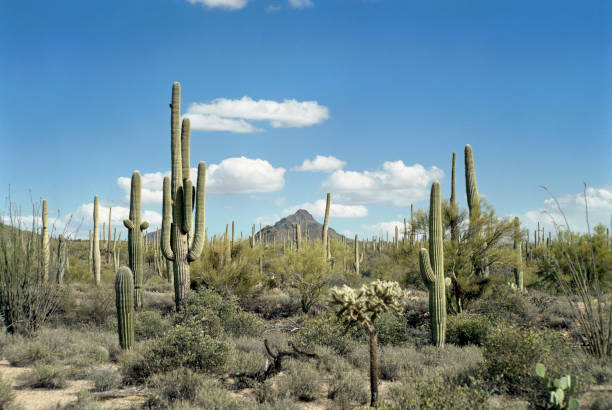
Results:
504 303
347 386
98 305
167 388
391 329
435 394
85 401
392 361
274 304
105 378
246 362
232 318
27 352
162 302
134 365
301 381
185 346
44 376
250 344
324 330
603 401
6 392
511 354
150 324
464 329
212 396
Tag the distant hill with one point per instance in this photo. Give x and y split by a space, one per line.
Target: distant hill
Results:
307 224
279 229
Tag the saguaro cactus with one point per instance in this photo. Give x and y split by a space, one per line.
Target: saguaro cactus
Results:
45 242
61 259
135 227
473 200
432 268
298 237
325 226
363 307
518 272
454 210
176 244
226 246
96 243
356 263
108 242
124 296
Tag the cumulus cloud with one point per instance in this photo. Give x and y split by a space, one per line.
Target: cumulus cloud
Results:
573 205
317 209
301 4
395 183
384 228
224 114
118 214
223 4
321 164
231 176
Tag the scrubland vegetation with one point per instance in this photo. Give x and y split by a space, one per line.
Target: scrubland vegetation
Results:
456 311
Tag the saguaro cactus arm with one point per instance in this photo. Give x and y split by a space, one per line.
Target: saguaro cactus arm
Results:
426 272
166 221
200 216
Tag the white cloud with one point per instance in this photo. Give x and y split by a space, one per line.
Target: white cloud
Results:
231 176
395 183
118 214
573 206
224 114
265 220
384 228
317 209
300 4
224 4
244 176
321 164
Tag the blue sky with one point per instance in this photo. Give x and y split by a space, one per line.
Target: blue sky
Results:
86 85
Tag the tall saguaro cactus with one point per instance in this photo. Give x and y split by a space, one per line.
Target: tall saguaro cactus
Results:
61 259
471 189
432 268
45 242
325 226
124 297
135 226
356 263
176 243
96 243
108 242
518 272
454 210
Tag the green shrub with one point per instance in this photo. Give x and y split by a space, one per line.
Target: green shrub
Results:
167 388
508 305
27 352
464 329
185 346
105 378
325 330
43 376
391 329
214 397
150 324
603 401
347 386
301 381
6 392
511 354
275 304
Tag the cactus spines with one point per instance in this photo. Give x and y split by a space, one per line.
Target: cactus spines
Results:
45 242
124 297
325 226
96 243
357 254
518 272
177 204
61 259
432 268
135 227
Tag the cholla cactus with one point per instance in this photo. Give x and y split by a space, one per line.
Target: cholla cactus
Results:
364 306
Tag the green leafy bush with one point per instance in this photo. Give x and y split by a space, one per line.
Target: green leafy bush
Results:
391 329
464 329
150 324
324 330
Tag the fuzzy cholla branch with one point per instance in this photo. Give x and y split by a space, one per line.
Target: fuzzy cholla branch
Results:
365 304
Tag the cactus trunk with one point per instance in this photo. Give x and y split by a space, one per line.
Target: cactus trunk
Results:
518 272
124 297
96 243
325 226
61 259
432 268
357 254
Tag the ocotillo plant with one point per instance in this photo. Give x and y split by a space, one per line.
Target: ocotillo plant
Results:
363 307
61 259
325 226
356 263
46 256
471 189
432 268
96 243
518 272
135 226
176 244
124 297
